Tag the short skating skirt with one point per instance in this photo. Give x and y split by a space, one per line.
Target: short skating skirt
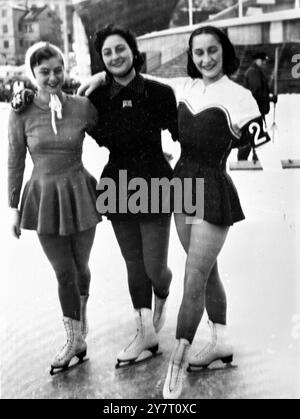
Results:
60 204
221 201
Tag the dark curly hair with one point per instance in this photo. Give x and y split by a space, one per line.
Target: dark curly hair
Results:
127 35
230 61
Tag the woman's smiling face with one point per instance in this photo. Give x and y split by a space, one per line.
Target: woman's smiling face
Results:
49 75
117 56
207 55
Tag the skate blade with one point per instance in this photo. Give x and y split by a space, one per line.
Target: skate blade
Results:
144 356
55 371
203 368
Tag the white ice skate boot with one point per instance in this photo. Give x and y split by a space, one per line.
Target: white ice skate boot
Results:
74 347
160 310
217 349
176 370
146 340
83 316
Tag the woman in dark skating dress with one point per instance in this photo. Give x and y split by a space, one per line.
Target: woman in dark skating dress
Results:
59 200
132 113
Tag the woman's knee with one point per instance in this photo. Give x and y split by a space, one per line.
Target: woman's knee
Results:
83 271
197 268
158 272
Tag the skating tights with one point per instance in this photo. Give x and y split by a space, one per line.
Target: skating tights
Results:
69 257
202 285
144 246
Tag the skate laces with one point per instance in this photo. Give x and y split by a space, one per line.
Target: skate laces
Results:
65 350
209 346
134 341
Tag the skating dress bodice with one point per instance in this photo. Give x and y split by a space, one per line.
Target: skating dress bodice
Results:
60 197
211 121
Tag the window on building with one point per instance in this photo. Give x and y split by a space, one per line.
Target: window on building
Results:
5 28
30 28
6 44
4 13
20 27
21 43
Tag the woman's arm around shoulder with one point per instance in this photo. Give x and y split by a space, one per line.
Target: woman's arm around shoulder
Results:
92 83
176 83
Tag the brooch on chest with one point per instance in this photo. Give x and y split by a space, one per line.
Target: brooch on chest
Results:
127 104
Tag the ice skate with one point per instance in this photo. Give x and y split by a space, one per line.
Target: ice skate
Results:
145 343
159 316
83 316
218 349
176 370
74 347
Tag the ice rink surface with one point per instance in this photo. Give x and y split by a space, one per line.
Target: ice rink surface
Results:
259 264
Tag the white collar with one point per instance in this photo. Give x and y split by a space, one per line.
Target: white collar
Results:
213 85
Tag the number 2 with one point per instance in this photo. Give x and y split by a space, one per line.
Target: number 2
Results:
255 129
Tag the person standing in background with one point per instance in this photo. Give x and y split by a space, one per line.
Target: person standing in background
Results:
256 81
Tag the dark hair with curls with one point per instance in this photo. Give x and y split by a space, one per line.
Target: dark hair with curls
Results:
230 61
44 53
127 35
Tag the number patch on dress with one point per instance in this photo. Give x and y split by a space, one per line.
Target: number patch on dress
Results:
258 132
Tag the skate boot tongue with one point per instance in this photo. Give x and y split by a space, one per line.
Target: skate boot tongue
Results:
180 351
145 340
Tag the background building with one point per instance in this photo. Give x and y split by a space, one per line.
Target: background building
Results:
21 27
41 24
62 8
11 36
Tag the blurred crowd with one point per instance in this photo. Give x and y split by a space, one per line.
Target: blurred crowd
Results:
8 87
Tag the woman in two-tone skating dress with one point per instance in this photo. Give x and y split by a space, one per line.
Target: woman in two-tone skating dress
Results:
59 200
214 115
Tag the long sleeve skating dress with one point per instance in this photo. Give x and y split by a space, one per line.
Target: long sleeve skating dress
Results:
60 197
131 119
211 120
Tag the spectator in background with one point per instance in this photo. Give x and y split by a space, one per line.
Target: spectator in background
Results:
2 92
8 90
256 81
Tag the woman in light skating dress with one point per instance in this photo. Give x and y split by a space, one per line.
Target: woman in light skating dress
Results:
59 200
